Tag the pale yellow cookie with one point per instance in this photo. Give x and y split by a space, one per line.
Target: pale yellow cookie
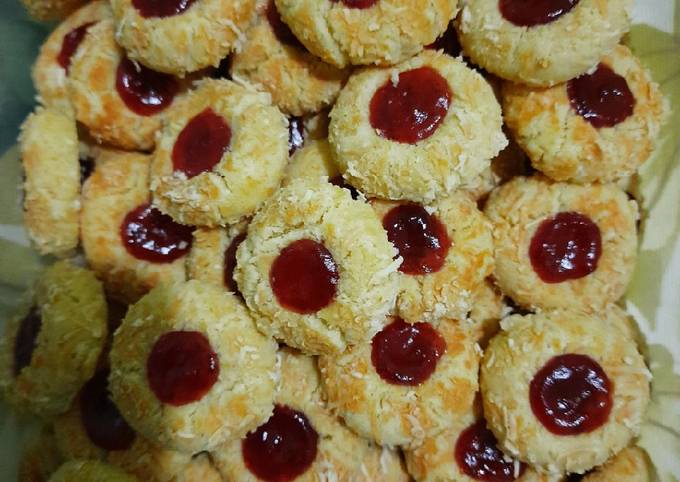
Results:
630 465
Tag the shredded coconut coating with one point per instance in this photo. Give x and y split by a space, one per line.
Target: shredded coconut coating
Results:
632 464
49 10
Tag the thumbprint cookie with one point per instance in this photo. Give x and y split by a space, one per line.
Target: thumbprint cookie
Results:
129 244
222 151
48 10
447 252
316 268
487 309
188 368
91 471
49 154
562 390
40 458
598 127
411 381
561 245
54 60
303 440
52 343
415 131
543 43
382 32
273 59
116 98
629 465
181 36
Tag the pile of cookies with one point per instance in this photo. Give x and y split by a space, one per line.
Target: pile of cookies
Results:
333 240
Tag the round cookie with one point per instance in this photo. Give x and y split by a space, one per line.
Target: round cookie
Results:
273 60
410 382
49 154
487 309
39 458
382 32
47 10
54 60
629 465
118 100
316 268
416 131
129 245
221 153
303 440
599 127
181 36
92 471
188 368
562 390
561 245
52 343
541 45
447 252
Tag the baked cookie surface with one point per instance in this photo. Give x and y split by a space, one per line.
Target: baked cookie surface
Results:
630 465
90 470
47 10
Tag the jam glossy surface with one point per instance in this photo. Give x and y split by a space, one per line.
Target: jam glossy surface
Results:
296 134
420 238
565 247
448 42
70 44
103 423
571 394
26 340
144 91
201 144
406 353
150 235
478 456
530 13
182 367
280 29
281 449
161 8
357 3
230 263
603 98
304 277
413 109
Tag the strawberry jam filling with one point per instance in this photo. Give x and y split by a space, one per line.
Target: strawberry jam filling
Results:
26 340
406 353
161 8
201 144
70 44
144 91
360 4
530 13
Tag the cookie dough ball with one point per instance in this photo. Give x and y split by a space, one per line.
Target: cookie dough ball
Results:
118 100
599 127
49 153
416 131
382 32
544 44
188 368
54 60
180 36
447 252
92 471
317 269
52 343
47 10
273 60
629 465
40 458
561 245
221 153
130 245
410 382
303 440
563 390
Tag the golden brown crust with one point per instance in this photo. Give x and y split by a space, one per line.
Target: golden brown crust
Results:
92 471
47 10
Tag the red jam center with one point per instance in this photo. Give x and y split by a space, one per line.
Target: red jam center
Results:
103 423
26 340
478 456
161 8
182 367
571 395
304 277
530 13
150 235
564 247
357 3
281 30
448 42
230 263
602 98
296 134
406 353
413 109
340 182
420 238
70 44
144 91
281 449
201 144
